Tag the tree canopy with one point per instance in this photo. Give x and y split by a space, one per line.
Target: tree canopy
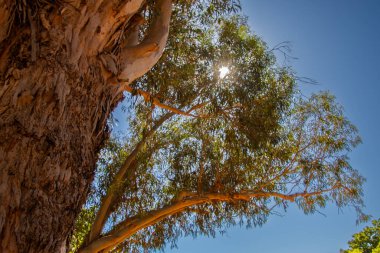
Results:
366 241
203 152
217 132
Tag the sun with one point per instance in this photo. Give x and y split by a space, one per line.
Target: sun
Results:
223 72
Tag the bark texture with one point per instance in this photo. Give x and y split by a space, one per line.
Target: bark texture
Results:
52 124
58 68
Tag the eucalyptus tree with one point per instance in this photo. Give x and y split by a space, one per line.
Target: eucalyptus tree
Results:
63 67
217 134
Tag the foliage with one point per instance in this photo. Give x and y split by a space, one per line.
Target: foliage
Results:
240 146
367 240
82 226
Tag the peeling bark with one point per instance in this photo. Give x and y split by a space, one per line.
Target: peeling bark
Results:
55 98
6 17
52 124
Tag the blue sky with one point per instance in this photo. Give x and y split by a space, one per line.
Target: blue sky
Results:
337 43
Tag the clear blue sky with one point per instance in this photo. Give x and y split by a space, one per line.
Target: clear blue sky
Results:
338 44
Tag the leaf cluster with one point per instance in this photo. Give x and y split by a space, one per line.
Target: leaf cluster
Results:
367 240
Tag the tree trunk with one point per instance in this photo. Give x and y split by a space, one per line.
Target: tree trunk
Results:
63 65
52 123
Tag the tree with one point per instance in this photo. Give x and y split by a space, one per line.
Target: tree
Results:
63 67
204 151
366 241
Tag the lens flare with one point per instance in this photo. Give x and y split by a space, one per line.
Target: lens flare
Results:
223 72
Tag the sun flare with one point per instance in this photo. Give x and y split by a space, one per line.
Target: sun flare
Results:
223 72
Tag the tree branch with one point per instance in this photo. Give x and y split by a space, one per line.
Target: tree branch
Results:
113 23
139 59
155 101
132 38
186 199
107 200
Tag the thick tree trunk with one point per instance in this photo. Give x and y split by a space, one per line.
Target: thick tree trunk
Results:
52 123
61 67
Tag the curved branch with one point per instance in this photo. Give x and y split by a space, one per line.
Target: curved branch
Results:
107 200
112 24
139 59
132 38
155 101
127 6
134 224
